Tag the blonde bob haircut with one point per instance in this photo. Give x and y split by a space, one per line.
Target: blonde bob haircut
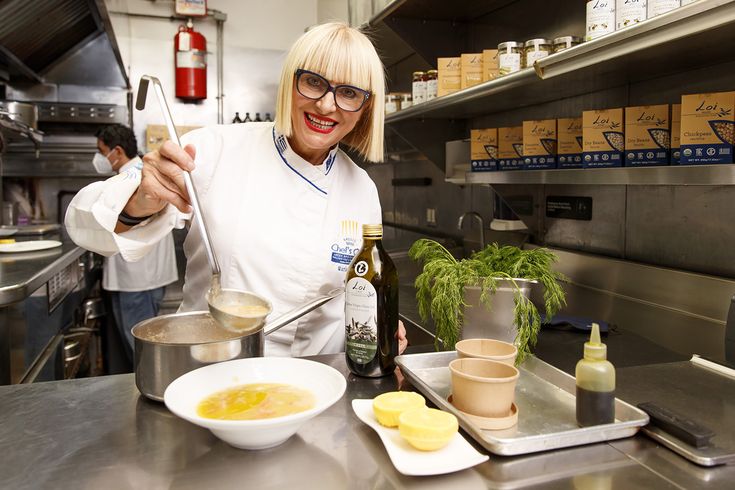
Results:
341 54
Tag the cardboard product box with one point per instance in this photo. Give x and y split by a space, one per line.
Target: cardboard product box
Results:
156 134
539 144
510 148
450 76
470 69
569 142
647 135
484 150
675 133
603 138
707 128
490 66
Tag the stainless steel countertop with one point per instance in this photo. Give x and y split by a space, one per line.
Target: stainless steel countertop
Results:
22 273
100 433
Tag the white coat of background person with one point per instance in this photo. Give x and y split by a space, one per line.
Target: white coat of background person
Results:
284 204
136 289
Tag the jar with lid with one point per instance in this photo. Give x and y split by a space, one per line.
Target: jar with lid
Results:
510 59
565 42
658 7
629 12
535 49
406 100
432 77
600 18
392 103
419 87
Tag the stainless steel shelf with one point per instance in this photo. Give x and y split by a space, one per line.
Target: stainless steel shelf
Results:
463 11
672 175
697 35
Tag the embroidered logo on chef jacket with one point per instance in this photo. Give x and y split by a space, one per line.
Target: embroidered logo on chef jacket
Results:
347 244
330 161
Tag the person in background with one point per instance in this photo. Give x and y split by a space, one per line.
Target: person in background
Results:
284 203
136 288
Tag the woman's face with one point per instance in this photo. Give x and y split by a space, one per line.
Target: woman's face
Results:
318 125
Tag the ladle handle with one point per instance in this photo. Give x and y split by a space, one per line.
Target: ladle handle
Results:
193 197
300 311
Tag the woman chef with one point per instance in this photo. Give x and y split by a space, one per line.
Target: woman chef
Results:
283 203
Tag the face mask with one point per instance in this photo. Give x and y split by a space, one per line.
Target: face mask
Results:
101 163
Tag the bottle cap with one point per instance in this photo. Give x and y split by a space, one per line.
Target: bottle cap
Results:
372 231
595 349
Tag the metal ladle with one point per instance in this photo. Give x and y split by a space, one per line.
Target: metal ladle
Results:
222 301
217 298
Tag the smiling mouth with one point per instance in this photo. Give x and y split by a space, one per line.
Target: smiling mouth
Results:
320 125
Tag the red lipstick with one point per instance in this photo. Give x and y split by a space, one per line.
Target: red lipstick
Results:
313 127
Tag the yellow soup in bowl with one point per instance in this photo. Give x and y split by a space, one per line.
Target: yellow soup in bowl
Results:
256 401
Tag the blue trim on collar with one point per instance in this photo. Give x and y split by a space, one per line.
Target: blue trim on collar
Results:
280 144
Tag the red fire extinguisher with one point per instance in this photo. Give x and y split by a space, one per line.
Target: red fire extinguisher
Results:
190 50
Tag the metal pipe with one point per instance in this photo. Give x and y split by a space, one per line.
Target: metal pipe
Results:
35 369
220 17
171 18
220 71
476 216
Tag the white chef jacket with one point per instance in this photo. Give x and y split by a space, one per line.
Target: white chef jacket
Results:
281 227
154 270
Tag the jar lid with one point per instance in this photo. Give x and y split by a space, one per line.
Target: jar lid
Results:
509 45
568 40
537 42
392 96
418 73
432 72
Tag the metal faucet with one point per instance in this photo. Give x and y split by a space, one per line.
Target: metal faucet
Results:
476 216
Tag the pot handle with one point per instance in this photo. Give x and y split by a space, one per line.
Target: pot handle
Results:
300 311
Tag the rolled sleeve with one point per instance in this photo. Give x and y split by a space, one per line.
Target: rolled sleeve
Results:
92 216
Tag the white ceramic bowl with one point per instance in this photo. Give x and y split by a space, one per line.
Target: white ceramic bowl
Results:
184 394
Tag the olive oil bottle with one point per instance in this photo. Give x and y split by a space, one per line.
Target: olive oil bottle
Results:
371 308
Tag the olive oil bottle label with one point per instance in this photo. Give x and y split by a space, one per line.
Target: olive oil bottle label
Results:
361 320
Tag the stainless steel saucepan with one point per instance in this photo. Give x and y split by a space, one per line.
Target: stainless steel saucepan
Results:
171 345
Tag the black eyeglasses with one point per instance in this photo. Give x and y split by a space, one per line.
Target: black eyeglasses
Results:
314 86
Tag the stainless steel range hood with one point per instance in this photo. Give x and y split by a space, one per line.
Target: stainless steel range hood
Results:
59 41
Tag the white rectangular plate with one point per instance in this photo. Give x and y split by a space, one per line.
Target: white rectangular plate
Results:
455 456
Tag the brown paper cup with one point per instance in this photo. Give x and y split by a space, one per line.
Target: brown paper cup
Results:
495 350
483 387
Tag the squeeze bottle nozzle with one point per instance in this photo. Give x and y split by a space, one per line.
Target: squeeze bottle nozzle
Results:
595 349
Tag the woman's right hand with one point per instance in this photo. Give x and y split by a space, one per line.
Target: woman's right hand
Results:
162 180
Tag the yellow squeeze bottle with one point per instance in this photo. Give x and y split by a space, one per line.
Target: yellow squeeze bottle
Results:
595 383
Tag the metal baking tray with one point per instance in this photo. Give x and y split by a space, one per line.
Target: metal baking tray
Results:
698 389
545 397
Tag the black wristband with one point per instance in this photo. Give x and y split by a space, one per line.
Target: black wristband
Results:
128 220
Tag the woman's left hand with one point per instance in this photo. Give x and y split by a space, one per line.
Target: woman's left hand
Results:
402 340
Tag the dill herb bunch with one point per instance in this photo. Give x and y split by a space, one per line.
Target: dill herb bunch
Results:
440 287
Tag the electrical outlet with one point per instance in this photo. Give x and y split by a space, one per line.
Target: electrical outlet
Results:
430 217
